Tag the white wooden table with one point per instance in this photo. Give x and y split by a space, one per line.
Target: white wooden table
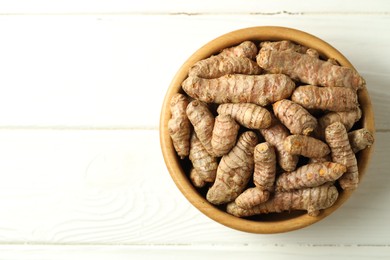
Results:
81 171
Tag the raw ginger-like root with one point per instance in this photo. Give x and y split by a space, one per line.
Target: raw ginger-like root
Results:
326 158
310 175
196 179
330 98
234 170
224 134
347 118
236 88
204 164
265 166
217 66
311 199
179 126
305 145
297 119
275 136
252 197
309 69
283 45
245 49
248 115
337 138
360 139
203 121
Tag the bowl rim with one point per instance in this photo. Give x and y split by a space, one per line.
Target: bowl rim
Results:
257 33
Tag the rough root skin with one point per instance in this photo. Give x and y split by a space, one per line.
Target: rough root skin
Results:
234 171
347 118
252 197
282 46
236 88
305 145
265 166
337 138
360 139
224 134
217 66
311 199
310 175
249 115
204 164
297 119
275 136
331 98
309 69
179 126
203 121
196 179
245 49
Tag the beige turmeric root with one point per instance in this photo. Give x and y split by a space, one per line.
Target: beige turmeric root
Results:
308 69
224 134
275 136
217 66
309 175
337 138
331 98
252 197
204 164
347 118
282 46
234 170
203 121
196 179
245 49
236 88
360 139
297 119
311 199
249 115
179 126
326 158
265 166
305 145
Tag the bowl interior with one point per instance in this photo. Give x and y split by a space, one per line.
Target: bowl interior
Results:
179 169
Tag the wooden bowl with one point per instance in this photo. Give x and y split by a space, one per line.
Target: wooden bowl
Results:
179 169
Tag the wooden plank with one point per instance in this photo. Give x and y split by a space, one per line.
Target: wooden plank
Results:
108 72
252 251
112 187
177 6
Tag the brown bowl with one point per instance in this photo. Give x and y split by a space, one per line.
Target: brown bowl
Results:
179 169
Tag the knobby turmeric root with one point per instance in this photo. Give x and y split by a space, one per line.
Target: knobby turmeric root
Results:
311 199
234 170
297 119
360 139
179 126
245 49
306 146
249 115
196 179
275 136
203 121
204 164
310 175
252 197
347 118
224 135
265 166
282 46
236 88
217 66
331 98
337 138
309 69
